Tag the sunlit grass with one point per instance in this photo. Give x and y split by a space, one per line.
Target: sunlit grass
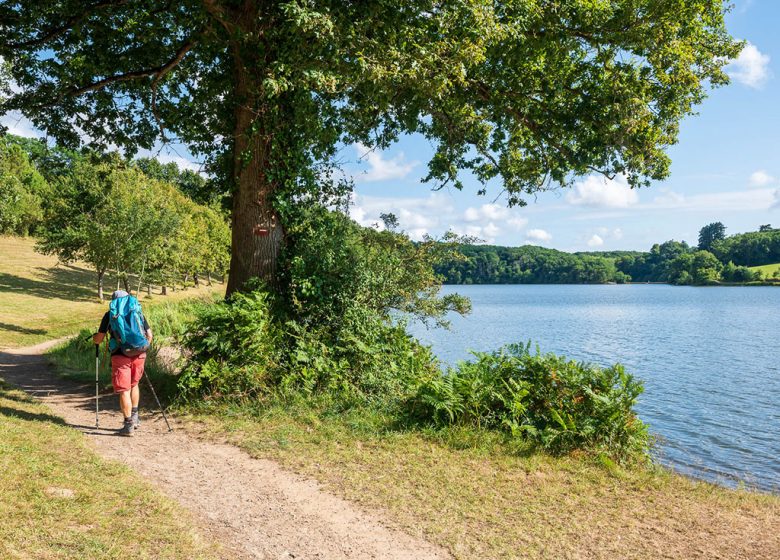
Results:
767 270
41 299
471 492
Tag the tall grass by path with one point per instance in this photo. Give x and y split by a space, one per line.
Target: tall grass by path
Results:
61 501
484 497
41 299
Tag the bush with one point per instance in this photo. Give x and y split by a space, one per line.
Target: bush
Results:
234 346
239 347
557 404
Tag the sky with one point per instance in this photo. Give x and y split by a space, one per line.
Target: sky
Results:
725 167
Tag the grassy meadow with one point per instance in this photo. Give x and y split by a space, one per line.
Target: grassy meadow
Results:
767 270
41 299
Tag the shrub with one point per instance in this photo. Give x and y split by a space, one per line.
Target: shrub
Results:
557 404
234 346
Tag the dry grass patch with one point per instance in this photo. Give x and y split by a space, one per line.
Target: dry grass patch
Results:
61 501
484 502
41 299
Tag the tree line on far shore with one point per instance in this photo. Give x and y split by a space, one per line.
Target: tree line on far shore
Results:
717 259
127 217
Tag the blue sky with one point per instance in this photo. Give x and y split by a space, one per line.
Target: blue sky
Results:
725 168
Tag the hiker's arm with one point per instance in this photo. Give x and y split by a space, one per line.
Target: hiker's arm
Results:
98 337
149 335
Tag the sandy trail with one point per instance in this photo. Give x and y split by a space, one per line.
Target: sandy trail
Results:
254 508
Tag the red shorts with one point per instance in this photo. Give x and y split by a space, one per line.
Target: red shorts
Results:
126 372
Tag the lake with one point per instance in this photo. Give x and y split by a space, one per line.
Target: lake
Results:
708 357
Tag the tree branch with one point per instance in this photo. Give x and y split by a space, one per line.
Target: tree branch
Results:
158 72
70 23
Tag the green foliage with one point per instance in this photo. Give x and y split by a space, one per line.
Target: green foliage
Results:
522 92
114 217
335 270
557 404
754 248
235 347
528 264
711 233
23 191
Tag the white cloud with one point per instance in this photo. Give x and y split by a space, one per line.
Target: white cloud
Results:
381 169
617 233
750 68
182 162
597 191
776 203
416 216
743 200
595 241
486 212
538 235
517 223
19 125
761 179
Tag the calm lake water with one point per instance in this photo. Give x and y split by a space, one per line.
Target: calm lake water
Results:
708 356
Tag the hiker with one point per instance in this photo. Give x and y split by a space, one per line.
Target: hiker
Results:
125 320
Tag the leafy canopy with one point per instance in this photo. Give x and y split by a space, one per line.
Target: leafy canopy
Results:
527 91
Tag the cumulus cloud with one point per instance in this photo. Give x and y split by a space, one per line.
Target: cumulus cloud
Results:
416 216
761 178
381 169
595 241
750 68
596 191
486 212
517 223
538 235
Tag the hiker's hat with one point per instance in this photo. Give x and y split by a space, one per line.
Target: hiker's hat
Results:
118 294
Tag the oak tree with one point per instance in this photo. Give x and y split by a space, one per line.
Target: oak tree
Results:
530 92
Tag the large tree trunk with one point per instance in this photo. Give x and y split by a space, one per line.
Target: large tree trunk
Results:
257 231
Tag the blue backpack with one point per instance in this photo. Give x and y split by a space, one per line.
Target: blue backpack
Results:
127 326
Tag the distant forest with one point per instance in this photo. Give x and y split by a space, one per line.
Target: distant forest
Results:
717 259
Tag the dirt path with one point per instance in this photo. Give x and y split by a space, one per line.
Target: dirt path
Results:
252 507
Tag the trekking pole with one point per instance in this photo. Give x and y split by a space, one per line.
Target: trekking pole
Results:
158 403
97 392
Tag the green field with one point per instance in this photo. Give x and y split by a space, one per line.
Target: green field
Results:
41 299
767 270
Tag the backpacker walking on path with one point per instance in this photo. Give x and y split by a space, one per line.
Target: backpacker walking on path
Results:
130 338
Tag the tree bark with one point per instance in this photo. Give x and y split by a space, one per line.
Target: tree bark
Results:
196 279
257 231
100 275
208 278
164 290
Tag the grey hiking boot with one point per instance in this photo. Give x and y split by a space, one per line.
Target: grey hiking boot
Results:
127 429
136 420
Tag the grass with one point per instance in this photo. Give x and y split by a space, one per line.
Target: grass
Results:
472 494
767 270
61 501
41 299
